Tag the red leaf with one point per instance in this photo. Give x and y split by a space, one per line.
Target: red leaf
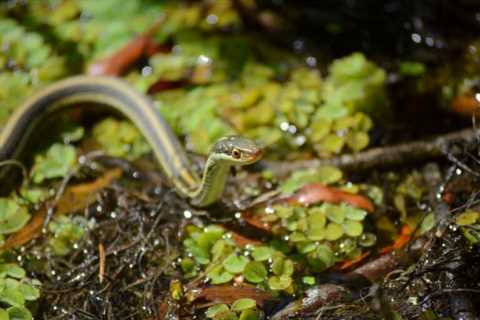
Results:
314 192
228 294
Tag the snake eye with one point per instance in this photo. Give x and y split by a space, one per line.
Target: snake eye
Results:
236 154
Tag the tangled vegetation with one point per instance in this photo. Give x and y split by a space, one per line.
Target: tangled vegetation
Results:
94 231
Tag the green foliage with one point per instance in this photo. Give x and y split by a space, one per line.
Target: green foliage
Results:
27 62
120 139
241 309
333 228
213 250
16 290
13 216
324 175
66 232
412 68
54 163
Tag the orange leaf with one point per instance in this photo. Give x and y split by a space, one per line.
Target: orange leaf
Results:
314 192
73 199
228 294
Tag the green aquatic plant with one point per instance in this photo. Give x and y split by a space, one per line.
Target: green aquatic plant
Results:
66 233
120 138
16 292
213 250
55 162
241 309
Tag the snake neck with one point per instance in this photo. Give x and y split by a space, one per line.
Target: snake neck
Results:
215 176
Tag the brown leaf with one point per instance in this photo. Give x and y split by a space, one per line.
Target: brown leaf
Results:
73 199
314 192
120 61
228 294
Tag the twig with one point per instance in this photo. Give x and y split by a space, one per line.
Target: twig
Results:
383 156
101 258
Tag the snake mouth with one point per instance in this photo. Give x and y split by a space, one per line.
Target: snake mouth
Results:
254 155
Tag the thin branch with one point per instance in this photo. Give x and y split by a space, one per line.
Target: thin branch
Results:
382 157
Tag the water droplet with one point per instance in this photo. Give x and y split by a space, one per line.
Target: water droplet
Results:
311 61
203 59
187 214
269 210
212 19
146 71
416 38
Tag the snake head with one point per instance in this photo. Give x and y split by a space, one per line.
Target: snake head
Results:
237 150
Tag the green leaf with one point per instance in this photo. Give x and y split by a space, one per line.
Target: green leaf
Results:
219 275
335 213
322 258
357 140
309 280
120 138
13 270
235 263
19 313
4 314
333 231
279 282
249 314
55 163
29 292
367 239
412 68
428 223
12 216
324 174
353 228
243 304
255 272
467 218
12 296
216 309
262 253
354 213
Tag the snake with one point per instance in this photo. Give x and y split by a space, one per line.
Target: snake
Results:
117 94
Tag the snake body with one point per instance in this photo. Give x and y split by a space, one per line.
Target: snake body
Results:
140 110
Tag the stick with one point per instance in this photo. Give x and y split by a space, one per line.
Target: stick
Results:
381 157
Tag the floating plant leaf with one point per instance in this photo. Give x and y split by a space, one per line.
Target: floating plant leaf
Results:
367 239
467 218
309 280
249 314
55 163
243 304
262 253
29 292
12 270
12 216
235 263
279 282
354 213
219 275
428 223
255 272
321 258
4 314
335 213
19 313
120 138
352 228
216 309
324 174
333 231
